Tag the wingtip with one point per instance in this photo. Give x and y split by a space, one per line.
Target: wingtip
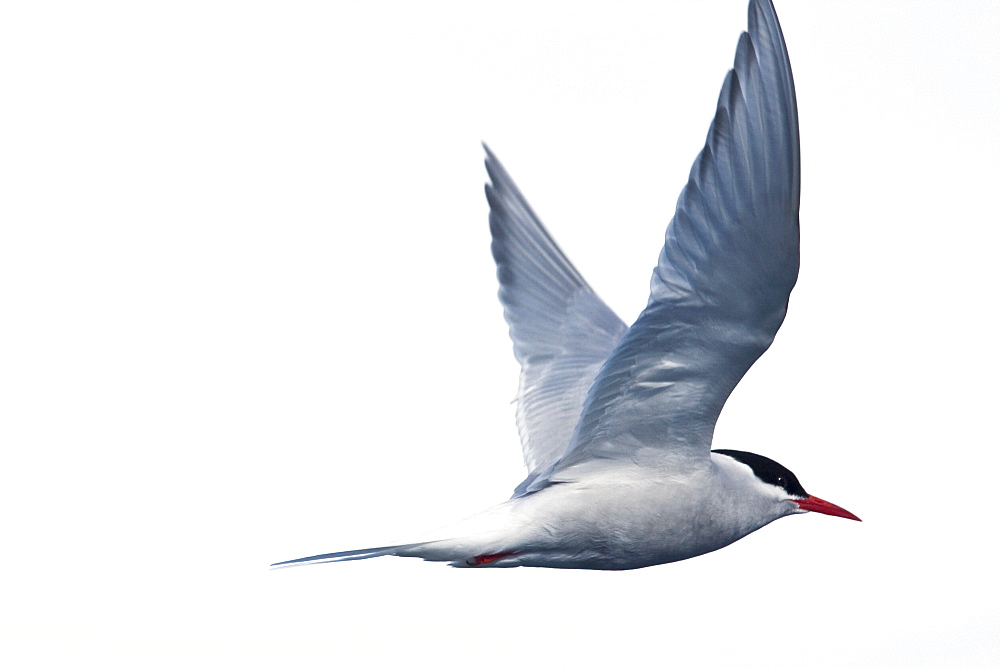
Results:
490 156
762 8
498 177
762 22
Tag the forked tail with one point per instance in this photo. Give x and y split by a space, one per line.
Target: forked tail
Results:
350 555
481 540
458 555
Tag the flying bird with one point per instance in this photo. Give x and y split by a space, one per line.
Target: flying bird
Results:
616 422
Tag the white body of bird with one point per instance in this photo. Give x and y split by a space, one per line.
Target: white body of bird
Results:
615 517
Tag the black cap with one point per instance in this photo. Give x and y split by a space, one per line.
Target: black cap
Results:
768 471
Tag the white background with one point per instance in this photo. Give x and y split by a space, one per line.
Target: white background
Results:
248 313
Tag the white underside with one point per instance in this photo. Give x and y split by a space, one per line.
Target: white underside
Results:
614 516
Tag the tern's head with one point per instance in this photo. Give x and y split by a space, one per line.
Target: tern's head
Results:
783 484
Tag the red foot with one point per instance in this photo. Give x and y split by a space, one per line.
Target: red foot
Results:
488 558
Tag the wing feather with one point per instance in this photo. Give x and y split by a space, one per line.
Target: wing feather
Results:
562 331
721 286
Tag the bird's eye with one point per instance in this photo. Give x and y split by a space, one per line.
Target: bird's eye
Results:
780 482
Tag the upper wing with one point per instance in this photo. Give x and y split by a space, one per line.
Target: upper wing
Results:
721 287
562 331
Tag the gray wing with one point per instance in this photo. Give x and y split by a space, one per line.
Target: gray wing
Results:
562 331
721 287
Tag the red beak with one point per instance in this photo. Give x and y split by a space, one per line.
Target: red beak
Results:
818 505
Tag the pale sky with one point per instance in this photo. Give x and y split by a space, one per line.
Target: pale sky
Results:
249 314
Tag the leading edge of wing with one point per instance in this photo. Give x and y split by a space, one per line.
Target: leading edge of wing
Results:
720 289
562 331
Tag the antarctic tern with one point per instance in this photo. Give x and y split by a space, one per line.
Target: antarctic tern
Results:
616 422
